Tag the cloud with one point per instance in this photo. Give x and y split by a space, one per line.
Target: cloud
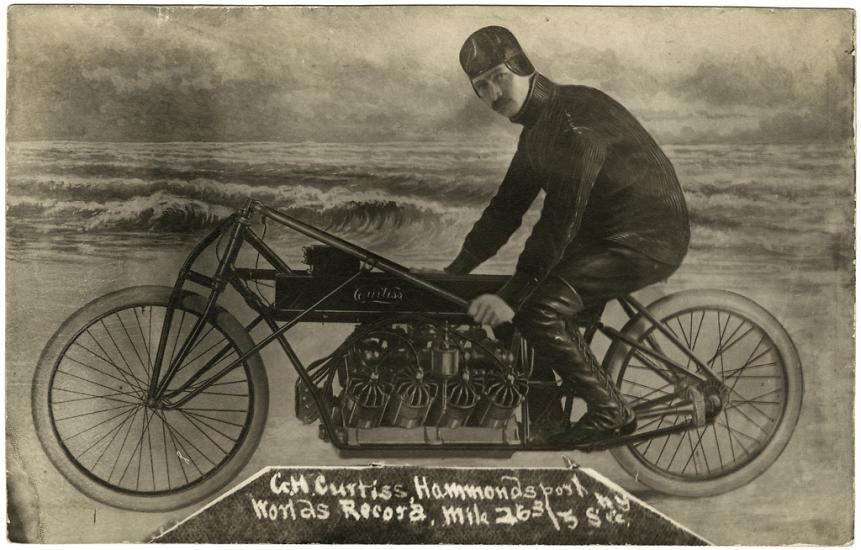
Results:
806 126
376 74
751 81
599 67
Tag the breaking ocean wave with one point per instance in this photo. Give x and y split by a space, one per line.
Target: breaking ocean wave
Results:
791 201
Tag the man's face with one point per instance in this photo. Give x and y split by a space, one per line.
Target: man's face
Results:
502 90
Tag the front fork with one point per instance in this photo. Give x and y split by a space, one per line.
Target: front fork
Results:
235 226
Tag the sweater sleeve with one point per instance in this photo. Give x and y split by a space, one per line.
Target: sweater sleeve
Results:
502 217
568 190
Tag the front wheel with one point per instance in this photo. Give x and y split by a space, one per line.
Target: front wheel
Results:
759 367
100 430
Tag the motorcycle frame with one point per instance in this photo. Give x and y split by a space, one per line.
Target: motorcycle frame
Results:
239 231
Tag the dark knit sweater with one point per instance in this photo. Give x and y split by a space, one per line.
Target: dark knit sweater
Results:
604 177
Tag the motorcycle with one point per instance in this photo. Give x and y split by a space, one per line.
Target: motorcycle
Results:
153 398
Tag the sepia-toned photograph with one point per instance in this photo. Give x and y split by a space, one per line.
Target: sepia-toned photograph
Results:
430 274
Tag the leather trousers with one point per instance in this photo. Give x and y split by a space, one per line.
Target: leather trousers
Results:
589 276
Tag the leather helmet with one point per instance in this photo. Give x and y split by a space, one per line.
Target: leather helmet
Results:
491 46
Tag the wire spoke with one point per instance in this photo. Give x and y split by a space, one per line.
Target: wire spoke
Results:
123 380
148 365
758 399
90 381
193 446
644 397
93 412
666 374
730 373
134 347
102 358
205 368
179 456
211 427
166 462
185 454
699 328
734 431
193 423
684 334
144 426
123 445
197 343
94 426
749 360
748 418
738 371
664 448
106 434
729 433
693 452
135 384
717 445
128 418
733 405
213 418
649 442
720 351
122 356
109 396
698 445
654 389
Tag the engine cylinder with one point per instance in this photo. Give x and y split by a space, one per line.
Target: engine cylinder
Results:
364 402
499 400
456 403
410 403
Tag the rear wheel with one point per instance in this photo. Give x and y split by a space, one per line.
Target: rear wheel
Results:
94 420
757 363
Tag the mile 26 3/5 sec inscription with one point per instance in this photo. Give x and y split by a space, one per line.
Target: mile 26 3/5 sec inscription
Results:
429 505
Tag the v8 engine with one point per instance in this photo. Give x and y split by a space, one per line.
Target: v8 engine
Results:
419 374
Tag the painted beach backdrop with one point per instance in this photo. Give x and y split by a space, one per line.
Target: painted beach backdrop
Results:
786 206
132 129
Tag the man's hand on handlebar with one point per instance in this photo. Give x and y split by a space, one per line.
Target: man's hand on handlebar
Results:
490 309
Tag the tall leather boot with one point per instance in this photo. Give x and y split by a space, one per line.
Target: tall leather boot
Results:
607 414
542 320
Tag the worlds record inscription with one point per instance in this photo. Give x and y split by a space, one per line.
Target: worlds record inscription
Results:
401 504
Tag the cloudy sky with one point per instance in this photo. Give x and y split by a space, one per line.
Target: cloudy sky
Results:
389 73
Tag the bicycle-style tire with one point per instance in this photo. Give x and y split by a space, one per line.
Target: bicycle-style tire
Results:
88 396
752 352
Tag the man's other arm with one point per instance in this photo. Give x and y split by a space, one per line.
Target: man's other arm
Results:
501 218
567 195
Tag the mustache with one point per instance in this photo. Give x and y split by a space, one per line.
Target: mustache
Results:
497 103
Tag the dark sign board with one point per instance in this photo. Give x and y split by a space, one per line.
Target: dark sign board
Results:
404 504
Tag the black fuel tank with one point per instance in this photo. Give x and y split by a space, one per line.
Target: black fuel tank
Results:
372 295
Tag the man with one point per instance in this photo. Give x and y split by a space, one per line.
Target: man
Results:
614 220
